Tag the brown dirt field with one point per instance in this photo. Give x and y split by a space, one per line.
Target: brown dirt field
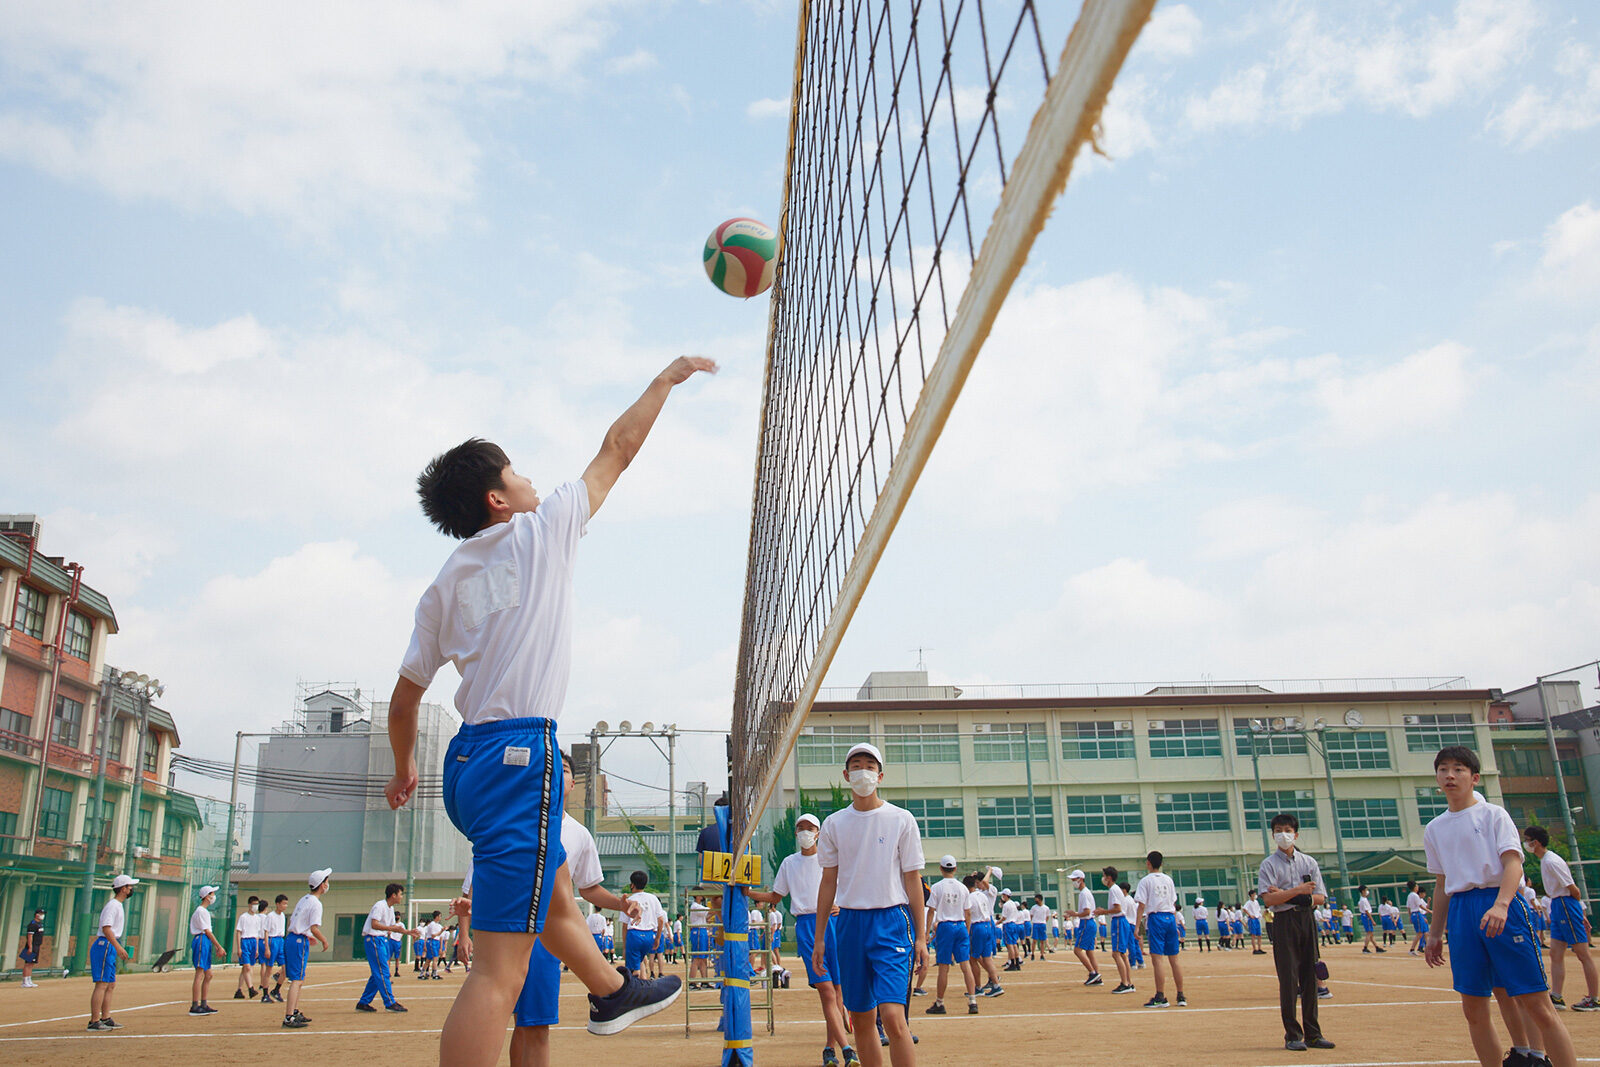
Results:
1387 1010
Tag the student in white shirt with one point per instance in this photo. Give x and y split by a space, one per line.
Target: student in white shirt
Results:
872 861
1157 898
700 948
246 950
980 921
1569 928
646 929
1364 909
1417 906
305 926
1008 930
203 944
774 936
277 927
1088 928
380 923
1202 926
1252 918
106 951
1121 931
947 915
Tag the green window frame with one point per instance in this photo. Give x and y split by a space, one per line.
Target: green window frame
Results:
1009 817
1180 738
67 727
115 740
16 723
1357 750
1430 803
47 897
1430 733
1097 740
172 836
8 831
922 742
1003 742
141 833
937 816
108 818
29 616
1268 742
1370 817
1109 813
79 632
1185 813
135 922
55 813
826 746
1212 883
152 752
1301 803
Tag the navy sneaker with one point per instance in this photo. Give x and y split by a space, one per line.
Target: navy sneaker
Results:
360 1006
396 1007
637 999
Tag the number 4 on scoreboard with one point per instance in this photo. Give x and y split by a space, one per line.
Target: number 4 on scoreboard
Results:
719 867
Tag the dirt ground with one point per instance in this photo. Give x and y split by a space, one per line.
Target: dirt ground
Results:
1387 1011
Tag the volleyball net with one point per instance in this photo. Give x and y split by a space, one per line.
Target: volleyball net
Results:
927 145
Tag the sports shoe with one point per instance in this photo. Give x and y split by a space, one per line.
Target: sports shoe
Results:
94 1025
277 996
438 978
1320 1042
828 1057
1587 1004
396 1007
252 995
850 1057
1324 993
266 998
919 992
1123 989
1295 1046
972 1007
195 1009
238 994
1183 1001
936 1008
637 999
207 1009
108 1023
1094 979
1380 951
1559 1001
1258 952
996 990
294 1022
302 1016
364 1006
1157 1001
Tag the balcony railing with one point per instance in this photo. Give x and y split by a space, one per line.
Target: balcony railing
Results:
16 744
1093 690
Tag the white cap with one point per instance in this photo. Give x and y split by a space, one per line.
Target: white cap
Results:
123 880
871 750
948 863
206 891
997 872
1076 876
318 877
1199 900
1005 892
808 817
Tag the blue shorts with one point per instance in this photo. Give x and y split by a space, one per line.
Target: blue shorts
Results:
248 949
1161 927
503 790
1039 933
600 942
200 952
1008 933
1388 924
1479 964
275 950
296 951
876 949
1255 927
982 938
699 939
1567 923
1055 931
1202 928
1088 934
610 944
103 960
539 1003
1539 921
951 943
1121 934
805 940
1419 921
641 943
1366 923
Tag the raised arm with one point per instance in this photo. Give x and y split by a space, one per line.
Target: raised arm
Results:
403 707
627 434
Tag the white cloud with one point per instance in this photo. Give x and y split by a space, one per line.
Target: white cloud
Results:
119 550
1570 265
1538 115
310 111
768 108
640 59
1425 389
1172 31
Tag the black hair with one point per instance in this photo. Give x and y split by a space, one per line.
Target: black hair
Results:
1459 754
283 897
453 484
970 880
261 904
1125 887
1253 892
1286 818
392 888
1361 889
435 915
1539 834
638 879
1039 897
1109 872
251 899
1411 885
1154 860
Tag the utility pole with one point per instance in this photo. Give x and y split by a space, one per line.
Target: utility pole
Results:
1261 800
1033 819
227 846
86 912
1333 804
1555 761
672 810
594 779
137 795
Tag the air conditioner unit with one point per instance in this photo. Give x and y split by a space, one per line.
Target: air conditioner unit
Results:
1130 798
1163 798
981 727
1292 724
1157 724
1125 724
1302 794
140 852
807 731
1413 720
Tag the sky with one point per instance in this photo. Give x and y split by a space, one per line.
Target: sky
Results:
1297 383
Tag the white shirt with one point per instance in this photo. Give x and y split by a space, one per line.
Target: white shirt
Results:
756 917
1156 893
979 909
200 921
276 923
381 913
1252 908
501 610
700 915
1365 905
948 901
649 911
1200 913
1415 903
307 913
1085 902
1116 899
246 926
111 915
880 846
597 923
1465 846
431 930
774 920
799 878
1039 914
1130 907
1008 912
1555 874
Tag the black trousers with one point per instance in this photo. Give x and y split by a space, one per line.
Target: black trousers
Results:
1294 954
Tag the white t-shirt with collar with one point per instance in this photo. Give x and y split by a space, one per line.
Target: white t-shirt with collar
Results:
275 923
948 901
501 610
307 913
382 912
1465 846
1039 914
200 921
1555 873
113 916
1252 908
1157 893
650 911
872 851
799 878
1415 903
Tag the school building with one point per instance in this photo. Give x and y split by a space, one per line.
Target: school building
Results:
1089 776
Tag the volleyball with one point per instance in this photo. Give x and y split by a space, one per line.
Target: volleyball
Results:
740 256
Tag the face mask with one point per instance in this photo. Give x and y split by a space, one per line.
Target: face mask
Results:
863 782
1284 838
806 838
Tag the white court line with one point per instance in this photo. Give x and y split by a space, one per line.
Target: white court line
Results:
163 1004
1412 1063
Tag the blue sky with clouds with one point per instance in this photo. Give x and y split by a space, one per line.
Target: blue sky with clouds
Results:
1298 382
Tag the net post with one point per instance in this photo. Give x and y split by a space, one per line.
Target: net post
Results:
737 1050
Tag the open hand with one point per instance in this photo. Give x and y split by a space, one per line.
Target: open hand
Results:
683 368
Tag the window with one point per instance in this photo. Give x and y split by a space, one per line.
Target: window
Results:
1002 742
1008 817
68 725
55 813
8 829
47 897
135 916
1171 738
1112 814
1097 740
1180 813
172 836
14 722
1430 803
30 611
826 746
1298 802
141 833
1430 733
79 630
1212 883
114 745
152 752
938 817
1357 750
1534 763
1268 743
1369 818
922 743
108 816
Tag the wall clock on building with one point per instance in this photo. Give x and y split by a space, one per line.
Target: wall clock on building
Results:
1353 717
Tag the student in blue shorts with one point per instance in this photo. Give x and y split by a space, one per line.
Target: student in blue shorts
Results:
1569 928
304 927
1158 917
501 611
871 855
203 946
105 952
1474 849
